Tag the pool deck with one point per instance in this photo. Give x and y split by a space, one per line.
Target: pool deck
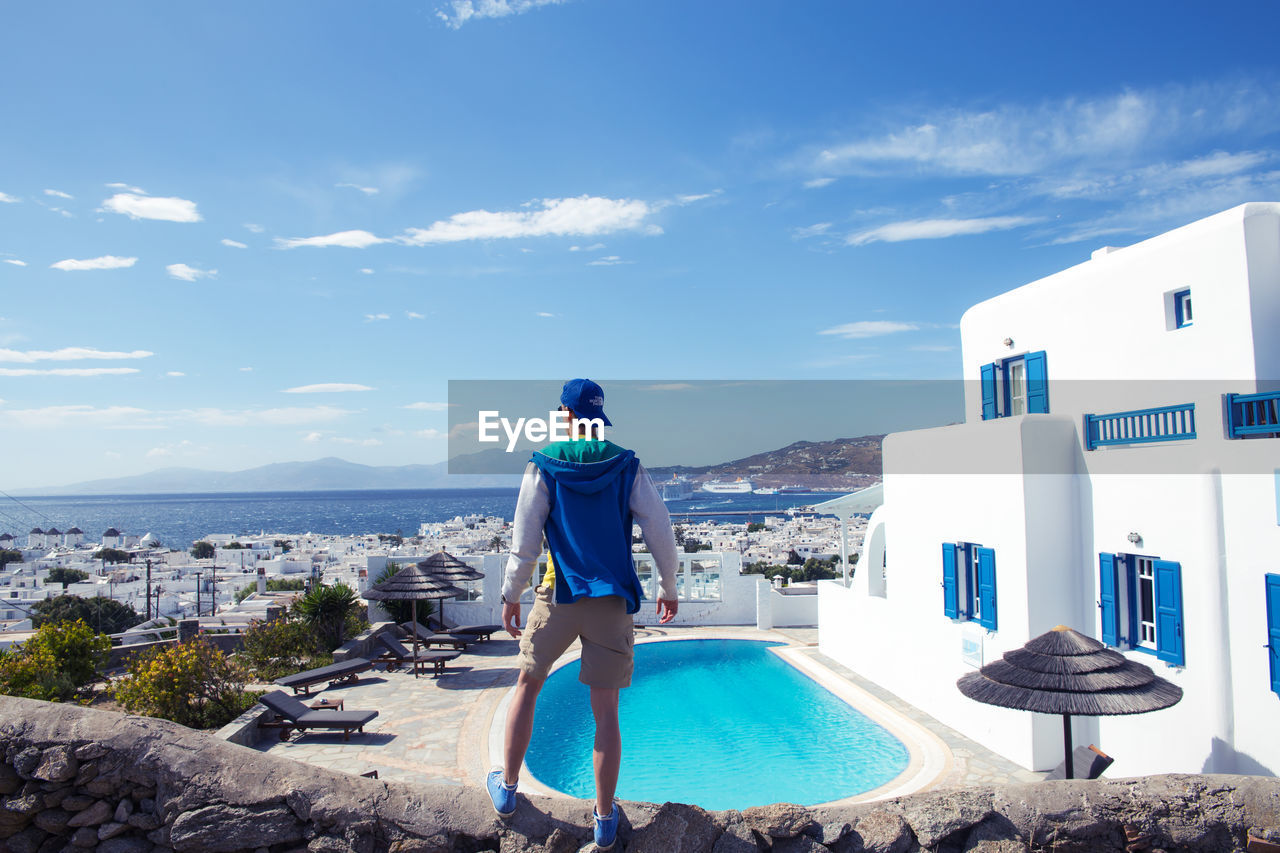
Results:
440 730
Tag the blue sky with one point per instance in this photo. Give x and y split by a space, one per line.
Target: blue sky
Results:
244 233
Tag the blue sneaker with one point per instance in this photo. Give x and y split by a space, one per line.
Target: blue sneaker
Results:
606 828
502 795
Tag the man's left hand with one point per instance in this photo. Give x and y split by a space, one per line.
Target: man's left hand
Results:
667 610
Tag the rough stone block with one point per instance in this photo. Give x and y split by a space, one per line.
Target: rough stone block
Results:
676 828
223 829
10 781
53 820
25 805
878 832
433 844
123 811
85 837
90 751
57 764
328 844
26 841
103 786
936 817
125 844
53 798
798 844
54 844
26 761
111 830
99 812
737 838
781 820
144 822
147 805
77 802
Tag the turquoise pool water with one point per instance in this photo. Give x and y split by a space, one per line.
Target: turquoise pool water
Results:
724 724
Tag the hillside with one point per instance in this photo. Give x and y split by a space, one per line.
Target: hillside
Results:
842 463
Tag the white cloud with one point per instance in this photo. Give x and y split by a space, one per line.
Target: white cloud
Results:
427 407
365 190
256 229
169 209
366 271
869 329
158 452
5 198
362 442
68 371
327 388
818 183
563 217
608 261
69 354
174 373
188 273
414 315
932 229
690 199
285 416
371 318
594 247
815 230
458 12
429 433
344 239
68 415
106 262
235 244
313 436
58 194
126 187
544 314
246 370
15 262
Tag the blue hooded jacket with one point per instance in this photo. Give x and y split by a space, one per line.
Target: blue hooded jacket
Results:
588 527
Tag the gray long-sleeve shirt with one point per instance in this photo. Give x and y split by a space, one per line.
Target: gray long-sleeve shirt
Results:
534 505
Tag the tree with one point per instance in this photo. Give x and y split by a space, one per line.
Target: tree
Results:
678 530
112 555
281 647
283 545
65 576
273 585
8 555
328 610
191 683
104 614
755 526
54 663
233 546
497 543
203 550
794 559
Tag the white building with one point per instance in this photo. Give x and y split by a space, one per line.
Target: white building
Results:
1108 478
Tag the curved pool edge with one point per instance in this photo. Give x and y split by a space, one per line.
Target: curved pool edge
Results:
929 759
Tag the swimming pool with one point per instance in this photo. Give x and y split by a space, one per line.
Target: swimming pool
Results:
724 724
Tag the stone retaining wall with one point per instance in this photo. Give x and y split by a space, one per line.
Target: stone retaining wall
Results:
74 778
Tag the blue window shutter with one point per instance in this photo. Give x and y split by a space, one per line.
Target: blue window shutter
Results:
950 585
1108 599
987 587
1273 629
1169 646
1037 383
989 391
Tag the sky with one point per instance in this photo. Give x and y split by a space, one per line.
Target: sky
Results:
241 233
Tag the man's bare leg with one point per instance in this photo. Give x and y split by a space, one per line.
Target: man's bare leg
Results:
607 756
520 726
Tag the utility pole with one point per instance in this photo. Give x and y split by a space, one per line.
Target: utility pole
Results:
148 589
213 596
197 595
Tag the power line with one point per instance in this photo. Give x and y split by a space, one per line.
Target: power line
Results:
29 508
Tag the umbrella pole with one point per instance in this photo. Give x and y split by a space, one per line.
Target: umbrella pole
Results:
1066 740
413 606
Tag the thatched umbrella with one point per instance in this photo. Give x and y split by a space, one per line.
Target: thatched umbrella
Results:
1064 672
449 568
412 584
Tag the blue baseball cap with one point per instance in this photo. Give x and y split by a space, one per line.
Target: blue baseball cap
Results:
586 398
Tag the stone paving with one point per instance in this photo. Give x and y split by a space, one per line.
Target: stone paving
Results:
436 729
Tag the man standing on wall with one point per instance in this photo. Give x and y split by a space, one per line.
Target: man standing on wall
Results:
583 495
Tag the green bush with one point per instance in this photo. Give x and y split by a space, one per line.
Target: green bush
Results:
282 647
332 612
191 683
203 550
103 614
273 585
53 664
64 576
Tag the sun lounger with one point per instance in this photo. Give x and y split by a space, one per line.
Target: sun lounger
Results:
427 637
480 632
1088 762
291 714
336 673
396 655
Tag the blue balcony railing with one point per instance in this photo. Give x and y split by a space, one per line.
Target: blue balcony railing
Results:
1141 426
1253 414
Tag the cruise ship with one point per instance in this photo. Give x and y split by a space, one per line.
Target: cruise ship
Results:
677 489
737 487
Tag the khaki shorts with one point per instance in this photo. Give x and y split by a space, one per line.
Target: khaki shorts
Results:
603 625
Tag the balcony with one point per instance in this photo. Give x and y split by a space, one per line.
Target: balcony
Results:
1140 426
1253 415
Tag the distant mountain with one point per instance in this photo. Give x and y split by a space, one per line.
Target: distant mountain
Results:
843 463
328 474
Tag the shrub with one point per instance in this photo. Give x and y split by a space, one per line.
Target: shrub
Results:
282 647
64 576
191 683
53 664
203 550
331 612
273 585
103 614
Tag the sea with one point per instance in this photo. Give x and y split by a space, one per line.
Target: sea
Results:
177 520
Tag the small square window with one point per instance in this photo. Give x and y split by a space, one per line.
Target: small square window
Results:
1182 316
